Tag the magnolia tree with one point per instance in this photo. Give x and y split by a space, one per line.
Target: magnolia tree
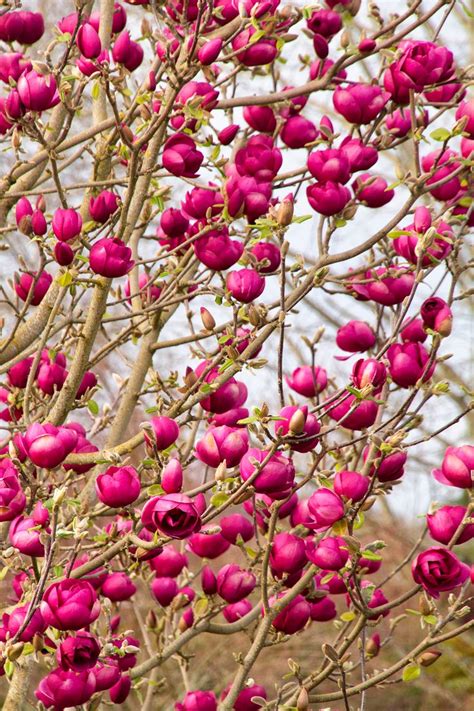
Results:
162 165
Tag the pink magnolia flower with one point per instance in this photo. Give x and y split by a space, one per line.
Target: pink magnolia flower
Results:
438 570
118 486
359 103
457 467
275 478
33 285
174 515
221 444
70 604
61 689
37 92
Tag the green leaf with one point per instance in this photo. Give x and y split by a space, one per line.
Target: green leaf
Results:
440 134
370 555
65 279
201 606
411 672
302 218
348 616
430 619
219 499
155 490
93 407
95 91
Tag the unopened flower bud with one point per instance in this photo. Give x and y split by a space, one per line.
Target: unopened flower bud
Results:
285 211
221 472
302 703
429 657
150 620
207 319
297 422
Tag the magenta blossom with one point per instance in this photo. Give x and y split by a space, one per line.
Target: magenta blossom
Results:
234 584
118 486
174 515
208 545
359 103
37 92
288 553
443 524
78 653
325 508
110 258
305 439
245 285
329 554
33 286
386 286
408 362
47 445
355 337
63 689
438 570
12 498
70 604
181 157
221 444
275 478
328 198
197 701
308 381
457 467
294 615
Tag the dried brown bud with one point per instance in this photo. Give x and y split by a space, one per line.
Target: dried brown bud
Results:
368 503
37 642
146 29
424 605
190 378
207 319
15 651
127 133
429 657
254 316
372 648
145 112
349 212
25 225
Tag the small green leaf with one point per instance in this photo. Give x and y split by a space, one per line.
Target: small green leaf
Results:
155 490
430 619
302 218
65 279
348 616
411 672
95 91
93 407
440 134
370 555
219 499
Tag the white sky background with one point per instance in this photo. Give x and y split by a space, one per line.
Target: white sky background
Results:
418 488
